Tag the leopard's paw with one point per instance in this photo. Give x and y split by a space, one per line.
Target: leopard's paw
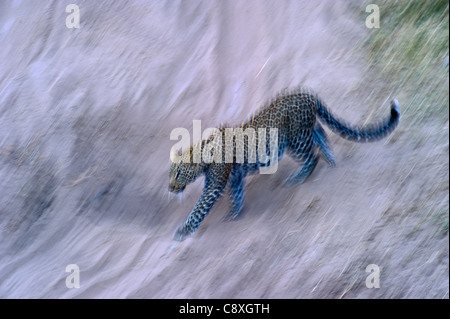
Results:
182 233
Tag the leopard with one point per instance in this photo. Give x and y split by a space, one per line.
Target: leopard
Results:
294 114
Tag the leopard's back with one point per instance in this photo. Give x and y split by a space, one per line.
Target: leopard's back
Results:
292 113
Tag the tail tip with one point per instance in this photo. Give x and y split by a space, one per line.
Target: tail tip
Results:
395 109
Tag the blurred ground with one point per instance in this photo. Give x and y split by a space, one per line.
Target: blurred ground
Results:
85 119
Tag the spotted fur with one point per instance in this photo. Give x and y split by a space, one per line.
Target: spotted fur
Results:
294 114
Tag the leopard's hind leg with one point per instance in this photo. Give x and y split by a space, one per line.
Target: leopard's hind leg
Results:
308 167
320 138
303 150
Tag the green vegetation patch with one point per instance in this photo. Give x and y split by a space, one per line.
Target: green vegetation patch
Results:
411 49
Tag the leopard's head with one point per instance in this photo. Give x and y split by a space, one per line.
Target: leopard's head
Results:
182 173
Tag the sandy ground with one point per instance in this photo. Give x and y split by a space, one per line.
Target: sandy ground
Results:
85 119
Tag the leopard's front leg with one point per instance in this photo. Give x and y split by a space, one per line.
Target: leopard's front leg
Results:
236 181
215 182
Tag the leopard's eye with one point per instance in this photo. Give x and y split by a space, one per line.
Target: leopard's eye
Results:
177 175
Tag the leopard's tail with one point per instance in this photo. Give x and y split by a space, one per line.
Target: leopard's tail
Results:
369 133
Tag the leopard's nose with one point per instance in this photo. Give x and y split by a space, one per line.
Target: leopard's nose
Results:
176 190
